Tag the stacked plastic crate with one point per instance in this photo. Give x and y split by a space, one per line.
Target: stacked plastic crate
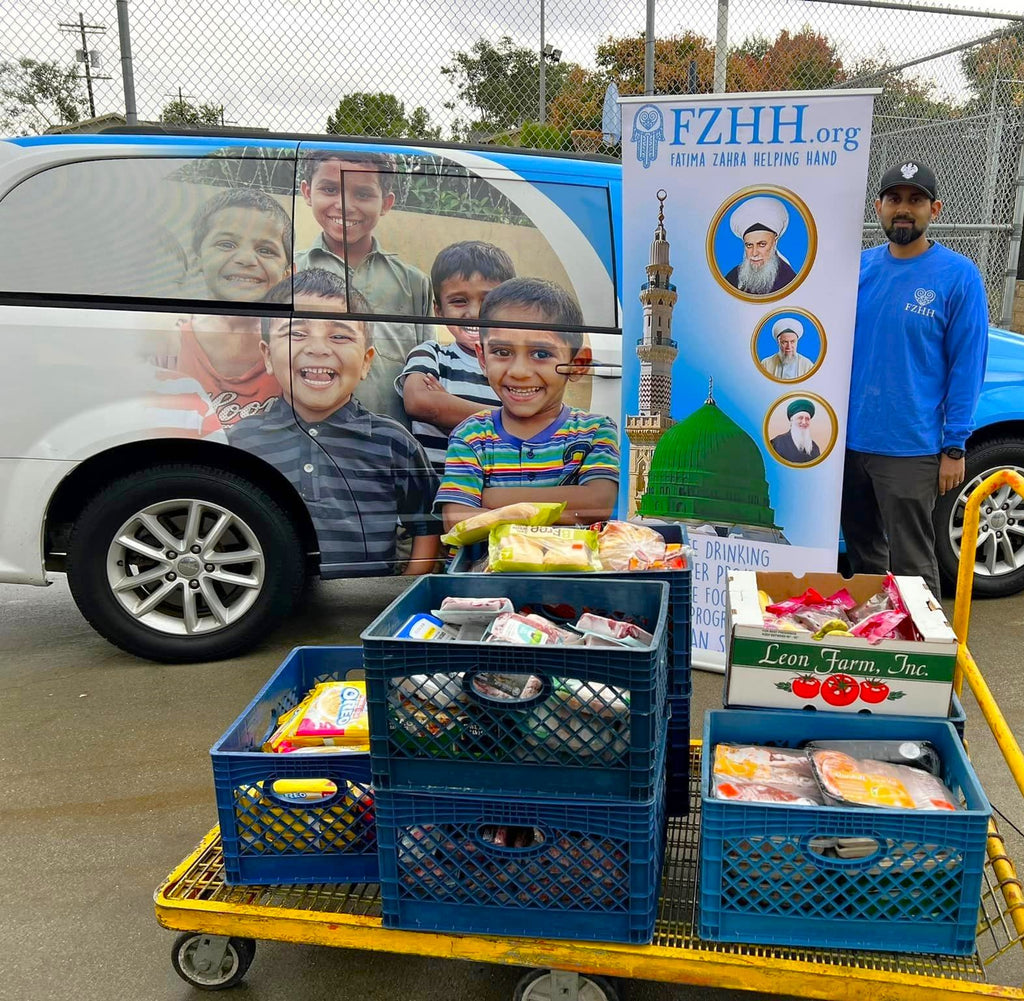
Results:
540 815
677 636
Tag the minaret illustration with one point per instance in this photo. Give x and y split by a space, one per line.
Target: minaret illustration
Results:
657 352
705 471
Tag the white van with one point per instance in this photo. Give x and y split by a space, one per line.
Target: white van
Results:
154 448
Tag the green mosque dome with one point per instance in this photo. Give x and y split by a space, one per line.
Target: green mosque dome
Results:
707 468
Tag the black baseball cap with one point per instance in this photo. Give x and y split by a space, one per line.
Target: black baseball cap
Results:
913 173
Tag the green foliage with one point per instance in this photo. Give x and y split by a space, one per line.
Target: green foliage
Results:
182 112
435 186
503 83
35 96
365 114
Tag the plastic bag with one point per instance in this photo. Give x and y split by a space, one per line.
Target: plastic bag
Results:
625 546
877 627
849 781
753 774
543 549
478 526
913 753
615 629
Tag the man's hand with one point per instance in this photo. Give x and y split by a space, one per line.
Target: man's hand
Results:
951 473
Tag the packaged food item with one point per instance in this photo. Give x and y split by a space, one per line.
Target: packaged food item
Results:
755 774
831 627
421 626
567 636
625 546
809 599
543 549
677 557
505 687
843 598
878 626
441 690
460 611
478 526
616 629
811 609
876 603
511 627
606 701
849 781
783 624
913 753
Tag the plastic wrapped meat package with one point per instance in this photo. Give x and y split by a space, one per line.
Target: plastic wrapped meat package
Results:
753 774
849 781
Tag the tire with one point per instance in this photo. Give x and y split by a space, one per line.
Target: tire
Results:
536 986
999 567
184 563
238 956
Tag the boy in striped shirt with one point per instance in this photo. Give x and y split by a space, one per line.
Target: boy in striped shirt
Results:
533 447
443 384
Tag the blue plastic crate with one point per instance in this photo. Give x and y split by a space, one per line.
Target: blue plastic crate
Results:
549 745
677 763
763 881
268 839
679 587
595 876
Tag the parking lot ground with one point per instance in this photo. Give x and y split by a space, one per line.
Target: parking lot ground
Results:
105 784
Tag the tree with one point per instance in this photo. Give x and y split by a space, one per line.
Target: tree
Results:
996 68
363 114
806 60
902 96
683 64
35 96
579 103
503 83
182 112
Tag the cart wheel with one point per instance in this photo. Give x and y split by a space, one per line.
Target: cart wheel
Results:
190 963
545 985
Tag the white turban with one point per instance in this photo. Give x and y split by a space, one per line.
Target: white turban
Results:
760 213
787 325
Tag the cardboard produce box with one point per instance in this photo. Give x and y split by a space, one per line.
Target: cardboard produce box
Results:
781 670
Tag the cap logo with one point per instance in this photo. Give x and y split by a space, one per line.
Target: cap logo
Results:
908 170
923 296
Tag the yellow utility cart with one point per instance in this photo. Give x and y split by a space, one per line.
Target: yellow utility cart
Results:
220 924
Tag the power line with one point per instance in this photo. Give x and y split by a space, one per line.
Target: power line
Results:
89 58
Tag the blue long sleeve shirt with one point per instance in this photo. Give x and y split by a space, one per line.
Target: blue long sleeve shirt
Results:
919 351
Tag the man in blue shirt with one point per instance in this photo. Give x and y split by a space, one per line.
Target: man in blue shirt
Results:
919 351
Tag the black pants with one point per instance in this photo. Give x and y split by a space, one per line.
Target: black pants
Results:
888 502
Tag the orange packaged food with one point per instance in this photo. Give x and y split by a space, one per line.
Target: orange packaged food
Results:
849 781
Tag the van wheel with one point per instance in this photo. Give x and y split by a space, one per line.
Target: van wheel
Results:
184 563
999 560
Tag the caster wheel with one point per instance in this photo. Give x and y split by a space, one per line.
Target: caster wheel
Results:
194 956
543 985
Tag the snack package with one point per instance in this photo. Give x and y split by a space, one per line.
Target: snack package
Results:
336 714
511 627
478 527
876 603
677 557
877 627
849 781
625 546
783 624
542 549
625 632
753 774
913 753
811 609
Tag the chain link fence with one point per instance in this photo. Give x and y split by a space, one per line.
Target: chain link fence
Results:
535 74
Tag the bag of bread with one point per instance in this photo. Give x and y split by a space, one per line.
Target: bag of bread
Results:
477 527
625 546
542 549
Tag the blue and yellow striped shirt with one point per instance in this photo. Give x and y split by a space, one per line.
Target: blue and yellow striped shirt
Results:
575 448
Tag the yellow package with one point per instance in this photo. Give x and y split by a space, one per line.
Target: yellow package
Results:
333 715
272 742
542 549
477 528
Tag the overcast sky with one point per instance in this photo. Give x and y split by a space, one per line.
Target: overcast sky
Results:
284 64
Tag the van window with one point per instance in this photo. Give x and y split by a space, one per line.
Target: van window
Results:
206 228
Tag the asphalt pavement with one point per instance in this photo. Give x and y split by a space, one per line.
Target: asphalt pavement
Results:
105 786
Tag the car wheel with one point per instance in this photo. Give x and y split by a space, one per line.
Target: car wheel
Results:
999 559
184 563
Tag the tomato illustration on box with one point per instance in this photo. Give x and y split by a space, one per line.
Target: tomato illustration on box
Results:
838 672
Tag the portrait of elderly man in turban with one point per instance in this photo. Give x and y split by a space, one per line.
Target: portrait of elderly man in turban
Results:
787 363
796 445
760 222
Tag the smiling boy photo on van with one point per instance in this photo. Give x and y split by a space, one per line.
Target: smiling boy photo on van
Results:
360 474
532 447
241 248
348 193
443 384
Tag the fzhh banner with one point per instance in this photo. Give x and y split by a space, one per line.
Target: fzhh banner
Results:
742 239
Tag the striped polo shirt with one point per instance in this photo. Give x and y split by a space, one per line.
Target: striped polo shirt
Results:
458 371
574 449
359 475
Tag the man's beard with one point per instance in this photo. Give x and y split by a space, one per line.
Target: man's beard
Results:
759 281
802 438
900 235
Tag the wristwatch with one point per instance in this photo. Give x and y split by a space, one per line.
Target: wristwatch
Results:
953 453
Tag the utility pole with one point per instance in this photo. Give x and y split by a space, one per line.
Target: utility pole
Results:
131 116
86 56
